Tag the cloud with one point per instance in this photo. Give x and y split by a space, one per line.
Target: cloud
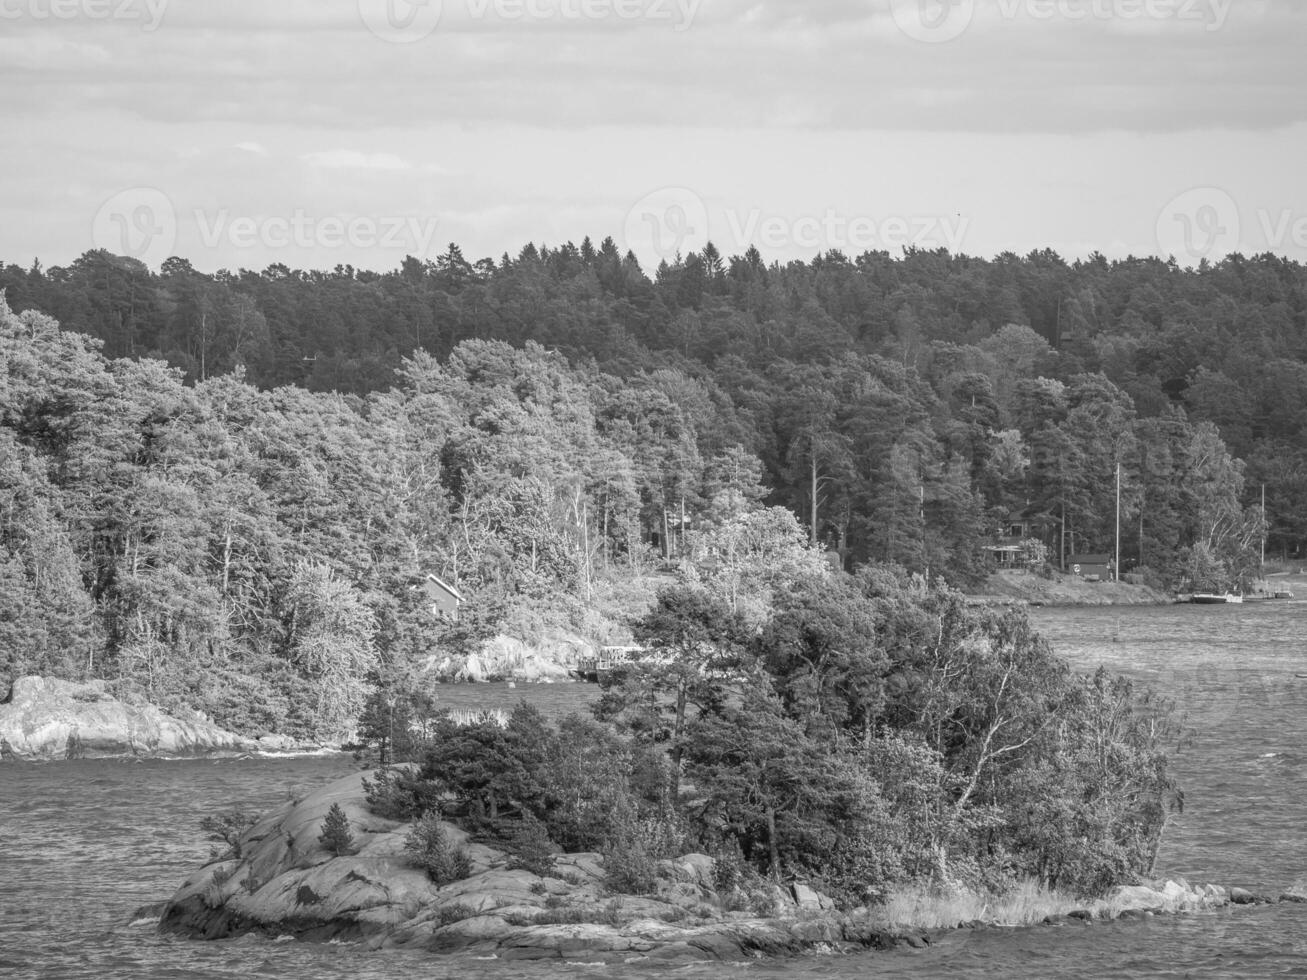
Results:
354 160
1018 66
552 128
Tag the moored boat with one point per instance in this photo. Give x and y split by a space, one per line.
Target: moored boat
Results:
1214 598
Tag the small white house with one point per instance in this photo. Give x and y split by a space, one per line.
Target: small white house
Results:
445 599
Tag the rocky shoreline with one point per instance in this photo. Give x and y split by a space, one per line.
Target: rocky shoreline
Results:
1024 588
284 883
45 719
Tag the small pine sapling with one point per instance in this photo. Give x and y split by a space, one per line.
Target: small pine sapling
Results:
336 836
429 849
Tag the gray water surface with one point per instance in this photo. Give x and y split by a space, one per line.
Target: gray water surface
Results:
84 844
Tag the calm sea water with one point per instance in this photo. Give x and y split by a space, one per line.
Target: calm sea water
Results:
85 844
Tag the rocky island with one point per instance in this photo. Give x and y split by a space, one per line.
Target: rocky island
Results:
281 880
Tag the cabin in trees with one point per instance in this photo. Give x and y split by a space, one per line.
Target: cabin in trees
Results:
1091 568
445 599
1013 546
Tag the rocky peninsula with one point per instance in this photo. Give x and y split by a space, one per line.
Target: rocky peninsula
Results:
279 880
44 719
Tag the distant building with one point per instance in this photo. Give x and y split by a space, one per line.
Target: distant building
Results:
445 599
1011 547
1091 568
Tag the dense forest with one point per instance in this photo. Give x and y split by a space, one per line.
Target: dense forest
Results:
225 488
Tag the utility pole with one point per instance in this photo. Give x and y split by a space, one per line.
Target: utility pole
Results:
1263 527
814 495
1116 559
921 518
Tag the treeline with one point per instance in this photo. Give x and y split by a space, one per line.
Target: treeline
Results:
261 555
904 408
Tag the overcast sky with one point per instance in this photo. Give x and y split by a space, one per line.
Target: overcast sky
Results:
239 133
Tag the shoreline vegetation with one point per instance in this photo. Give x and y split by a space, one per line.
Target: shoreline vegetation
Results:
1061 589
811 703
283 877
871 758
230 544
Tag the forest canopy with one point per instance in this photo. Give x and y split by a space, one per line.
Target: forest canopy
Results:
208 479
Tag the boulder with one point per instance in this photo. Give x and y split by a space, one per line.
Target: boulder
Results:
807 899
46 719
1138 898
472 671
699 869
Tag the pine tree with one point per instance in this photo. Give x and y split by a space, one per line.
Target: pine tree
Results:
336 836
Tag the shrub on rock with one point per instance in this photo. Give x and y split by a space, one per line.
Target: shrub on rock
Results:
227 828
429 849
532 849
336 836
398 794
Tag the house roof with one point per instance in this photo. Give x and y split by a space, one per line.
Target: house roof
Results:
447 587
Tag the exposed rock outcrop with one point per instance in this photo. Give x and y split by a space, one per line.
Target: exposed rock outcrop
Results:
45 719
548 659
285 883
